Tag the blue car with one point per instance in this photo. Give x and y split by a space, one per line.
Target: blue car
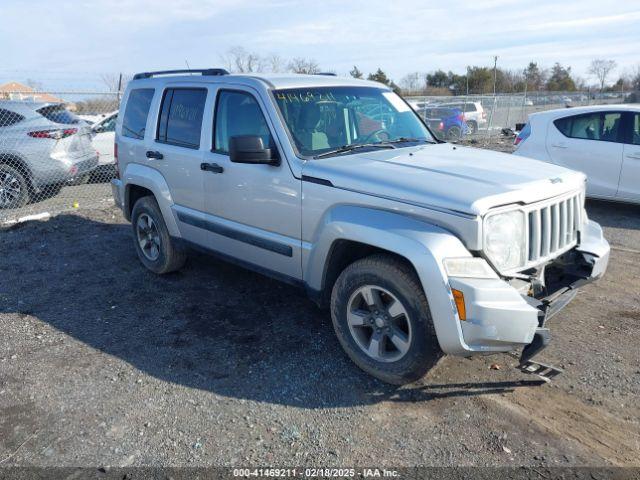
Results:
445 123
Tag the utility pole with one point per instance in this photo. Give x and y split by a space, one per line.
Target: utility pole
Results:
495 73
119 87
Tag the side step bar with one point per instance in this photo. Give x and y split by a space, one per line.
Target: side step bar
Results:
544 371
527 365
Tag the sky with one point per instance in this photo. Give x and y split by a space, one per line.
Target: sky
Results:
68 45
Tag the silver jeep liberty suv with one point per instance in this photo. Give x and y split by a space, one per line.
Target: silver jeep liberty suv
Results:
417 247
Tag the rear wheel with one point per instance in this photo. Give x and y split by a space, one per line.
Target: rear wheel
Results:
14 188
381 317
473 126
156 249
454 133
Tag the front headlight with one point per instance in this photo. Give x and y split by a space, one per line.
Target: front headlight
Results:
504 242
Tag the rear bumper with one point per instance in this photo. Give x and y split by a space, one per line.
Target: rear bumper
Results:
503 316
118 192
63 169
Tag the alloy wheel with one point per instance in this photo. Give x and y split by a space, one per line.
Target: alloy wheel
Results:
379 323
148 237
10 189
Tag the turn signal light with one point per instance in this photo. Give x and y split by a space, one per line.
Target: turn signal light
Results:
458 297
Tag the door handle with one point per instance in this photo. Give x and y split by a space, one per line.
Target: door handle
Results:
558 145
211 167
634 155
156 155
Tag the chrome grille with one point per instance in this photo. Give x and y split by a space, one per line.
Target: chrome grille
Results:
553 227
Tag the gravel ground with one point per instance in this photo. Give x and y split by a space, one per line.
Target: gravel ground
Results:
104 363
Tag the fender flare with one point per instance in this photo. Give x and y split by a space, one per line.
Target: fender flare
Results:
153 180
423 244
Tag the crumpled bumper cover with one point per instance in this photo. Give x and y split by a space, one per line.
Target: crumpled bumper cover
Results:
499 318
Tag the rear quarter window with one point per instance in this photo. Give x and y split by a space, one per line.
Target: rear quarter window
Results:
136 112
8 118
563 125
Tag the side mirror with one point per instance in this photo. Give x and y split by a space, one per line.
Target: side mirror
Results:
251 149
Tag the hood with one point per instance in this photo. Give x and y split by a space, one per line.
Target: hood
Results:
447 176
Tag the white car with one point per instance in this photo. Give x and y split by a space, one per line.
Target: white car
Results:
474 114
104 138
601 141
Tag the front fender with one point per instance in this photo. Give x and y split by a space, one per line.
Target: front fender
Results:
423 244
151 179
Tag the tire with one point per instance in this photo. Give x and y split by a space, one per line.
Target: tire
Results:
166 256
396 282
454 133
14 188
473 126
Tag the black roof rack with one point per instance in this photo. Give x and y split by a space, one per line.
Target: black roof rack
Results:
201 71
327 74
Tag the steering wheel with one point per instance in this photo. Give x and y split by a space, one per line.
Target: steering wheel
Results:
376 134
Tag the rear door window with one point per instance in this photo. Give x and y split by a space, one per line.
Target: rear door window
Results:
58 114
134 121
180 120
602 126
8 118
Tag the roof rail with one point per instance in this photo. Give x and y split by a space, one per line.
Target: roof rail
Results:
327 74
201 71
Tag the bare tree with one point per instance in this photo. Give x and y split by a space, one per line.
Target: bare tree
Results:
303 65
601 69
412 82
114 80
240 60
275 63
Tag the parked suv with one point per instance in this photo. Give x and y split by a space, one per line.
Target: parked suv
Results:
418 247
42 146
445 123
474 114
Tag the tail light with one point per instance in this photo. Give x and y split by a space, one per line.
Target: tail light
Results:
523 135
53 134
460 117
441 126
484 114
115 158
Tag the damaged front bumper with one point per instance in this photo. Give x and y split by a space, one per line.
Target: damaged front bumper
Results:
506 315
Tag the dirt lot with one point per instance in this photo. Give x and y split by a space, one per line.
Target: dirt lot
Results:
103 363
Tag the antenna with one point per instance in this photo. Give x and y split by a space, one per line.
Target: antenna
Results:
187 63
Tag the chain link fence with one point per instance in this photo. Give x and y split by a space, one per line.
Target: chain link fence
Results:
484 117
56 148
56 151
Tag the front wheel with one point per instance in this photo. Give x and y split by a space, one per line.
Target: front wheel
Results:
382 319
14 188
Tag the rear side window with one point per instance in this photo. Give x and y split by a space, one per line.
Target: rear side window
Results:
134 121
603 126
58 114
181 116
635 139
8 118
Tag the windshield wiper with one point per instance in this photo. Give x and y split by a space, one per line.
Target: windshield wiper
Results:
408 140
355 146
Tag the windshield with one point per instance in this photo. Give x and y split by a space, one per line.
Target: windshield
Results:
325 119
